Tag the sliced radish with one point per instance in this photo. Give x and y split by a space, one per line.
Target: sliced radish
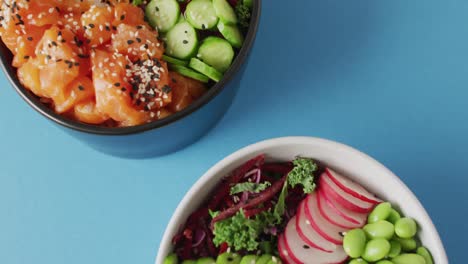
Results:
300 252
331 215
358 219
308 233
352 187
283 252
346 199
326 229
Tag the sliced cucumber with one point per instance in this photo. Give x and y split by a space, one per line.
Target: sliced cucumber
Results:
216 52
189 73
201 14
232 34
174 61
225 12
207 70
163 14
181 41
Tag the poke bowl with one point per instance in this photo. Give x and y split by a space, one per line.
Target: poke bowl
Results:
300 200
130 78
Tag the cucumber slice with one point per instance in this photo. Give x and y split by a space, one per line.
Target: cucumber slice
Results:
232 34
248 3
216 52
162 14
181 41
201 14
189 73
225 12
207 70
174 61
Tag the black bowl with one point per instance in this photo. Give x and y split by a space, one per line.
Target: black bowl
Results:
161 136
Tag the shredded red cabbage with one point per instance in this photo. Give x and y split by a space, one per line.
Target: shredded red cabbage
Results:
196 237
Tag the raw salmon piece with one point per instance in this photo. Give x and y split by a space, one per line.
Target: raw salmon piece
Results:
137 42
87 112
97 24
26 44
81 89
195 88
129 14
181 97
112 91
28 75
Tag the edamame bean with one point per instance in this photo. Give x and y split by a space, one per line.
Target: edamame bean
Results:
380 229
409 258
206 261
376 249
263 259
405 227
380 212
354 243
358 261
424 252
394 216
228 258
171 259
384 262
275 260
407 244
189 261
249 259
395 248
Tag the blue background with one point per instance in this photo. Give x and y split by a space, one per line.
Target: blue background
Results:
387 77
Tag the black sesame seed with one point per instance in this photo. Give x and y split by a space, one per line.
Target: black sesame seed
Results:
30 38
185 41
122 17
166 89
91 25
123 89
117 84
129 42
138 39
306 246
80 87
26 57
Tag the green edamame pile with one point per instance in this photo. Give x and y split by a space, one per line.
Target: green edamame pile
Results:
227 258
387 238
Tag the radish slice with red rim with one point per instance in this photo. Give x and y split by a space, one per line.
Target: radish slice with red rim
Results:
300 252
358 219
342 197
352 187
332 215
309 234
326 229
283 252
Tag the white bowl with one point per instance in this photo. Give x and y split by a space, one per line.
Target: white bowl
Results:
353 163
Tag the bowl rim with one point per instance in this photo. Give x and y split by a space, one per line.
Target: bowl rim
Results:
217 88
253 149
